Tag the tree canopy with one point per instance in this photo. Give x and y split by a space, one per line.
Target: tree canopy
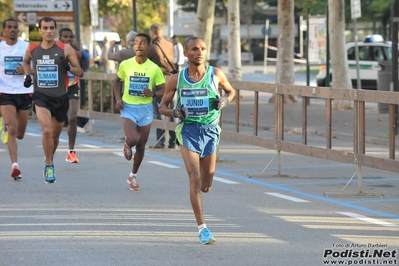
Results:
6 9
372 10
118 14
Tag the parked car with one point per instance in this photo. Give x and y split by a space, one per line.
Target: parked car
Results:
371 51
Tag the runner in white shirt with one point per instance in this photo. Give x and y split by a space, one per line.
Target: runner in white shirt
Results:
15 99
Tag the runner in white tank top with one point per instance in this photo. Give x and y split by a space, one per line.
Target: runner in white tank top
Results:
15 99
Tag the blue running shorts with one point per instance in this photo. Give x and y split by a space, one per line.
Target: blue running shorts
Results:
141 114
201 139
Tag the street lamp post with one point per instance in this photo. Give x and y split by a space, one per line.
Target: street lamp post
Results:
76 15
134 15
394 32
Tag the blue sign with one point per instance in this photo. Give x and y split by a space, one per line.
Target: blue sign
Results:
267 32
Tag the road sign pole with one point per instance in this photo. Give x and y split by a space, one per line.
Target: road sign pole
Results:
134 15
307 50
266 45
359 84
356 12
76 14
394 31
327 49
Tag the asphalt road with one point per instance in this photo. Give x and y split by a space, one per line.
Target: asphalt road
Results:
90 217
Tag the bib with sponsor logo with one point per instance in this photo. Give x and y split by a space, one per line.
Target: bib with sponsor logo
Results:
137 77
198 97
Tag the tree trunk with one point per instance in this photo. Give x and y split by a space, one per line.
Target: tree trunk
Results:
86 30
339 62
285 44
246 14
234 42
204 23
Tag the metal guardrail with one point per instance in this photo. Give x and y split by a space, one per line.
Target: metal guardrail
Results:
356 156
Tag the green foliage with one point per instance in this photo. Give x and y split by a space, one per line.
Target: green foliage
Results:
191 6
85 19
371 9
316 7
149 12
107 8
6 10
249 10
118 15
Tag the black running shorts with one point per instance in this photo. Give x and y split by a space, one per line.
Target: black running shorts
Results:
73 92
20 101
58 106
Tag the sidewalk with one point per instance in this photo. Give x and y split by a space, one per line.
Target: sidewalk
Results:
260 68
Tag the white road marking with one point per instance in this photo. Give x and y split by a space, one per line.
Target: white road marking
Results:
367 219
33 134
223 180
279 195
121 153
89 146
164 164
226 181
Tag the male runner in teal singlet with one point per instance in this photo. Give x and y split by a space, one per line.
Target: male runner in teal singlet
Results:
198 132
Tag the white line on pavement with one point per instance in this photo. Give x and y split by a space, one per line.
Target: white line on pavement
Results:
121 153
164 164
366 219
89 146
279 195
226 181
33 134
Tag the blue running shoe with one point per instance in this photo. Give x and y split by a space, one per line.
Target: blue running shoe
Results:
206 237
49 174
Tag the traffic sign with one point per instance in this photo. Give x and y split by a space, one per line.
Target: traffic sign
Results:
356 10
267 31
94 12
43 6
29 18
34 17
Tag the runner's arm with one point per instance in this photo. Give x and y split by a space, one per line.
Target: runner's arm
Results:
225 85
27 60
118 98
70 54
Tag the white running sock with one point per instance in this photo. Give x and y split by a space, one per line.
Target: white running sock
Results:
201 226
14 164
132 175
